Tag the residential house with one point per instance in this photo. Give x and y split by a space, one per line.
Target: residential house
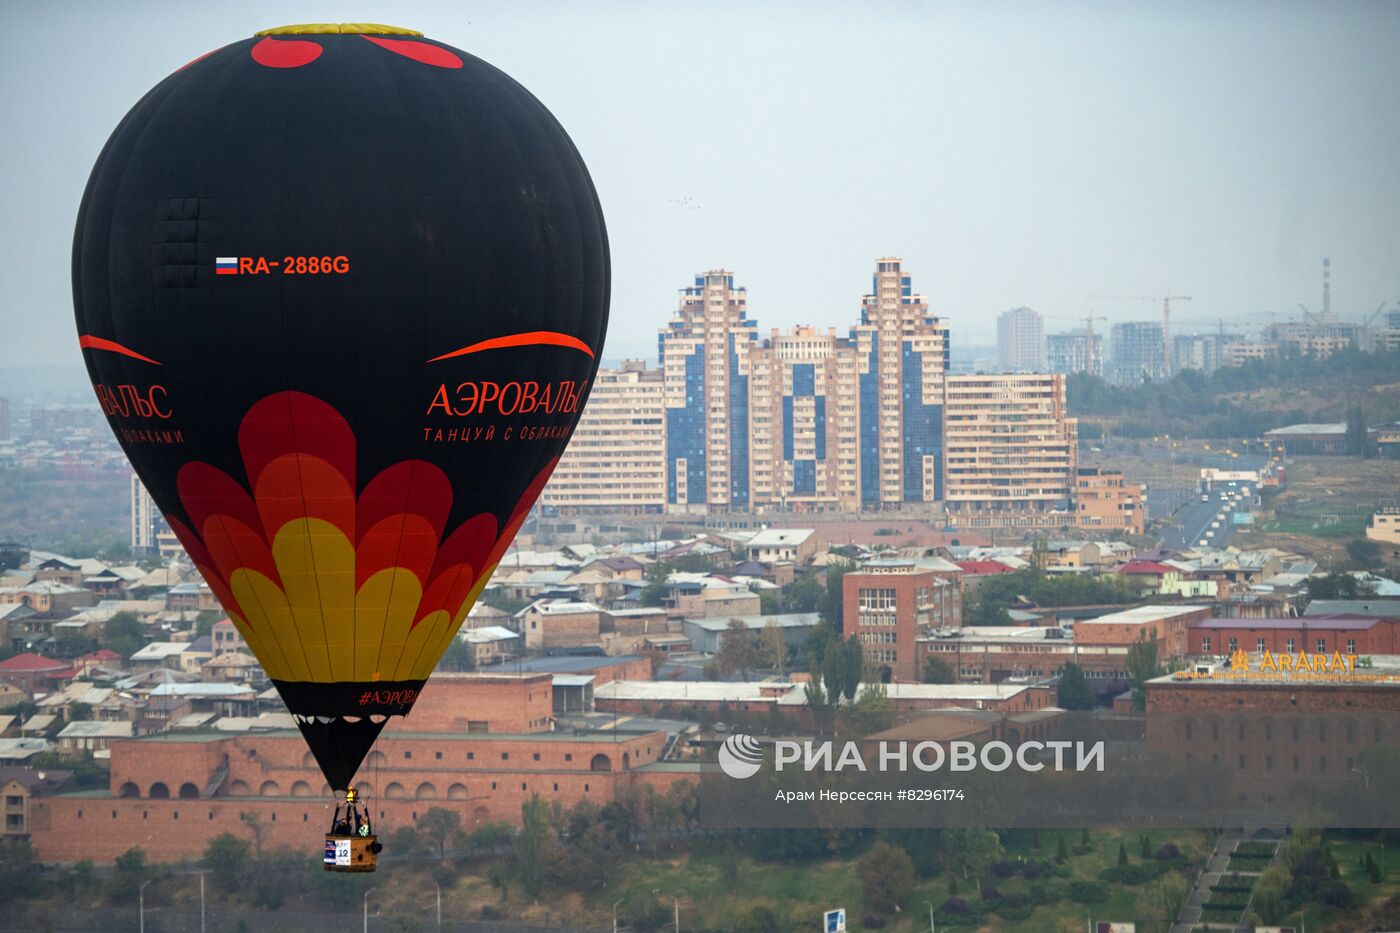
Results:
554 624
798 546
17 787
91 736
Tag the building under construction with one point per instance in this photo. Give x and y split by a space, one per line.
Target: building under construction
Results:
1075 352
1137 352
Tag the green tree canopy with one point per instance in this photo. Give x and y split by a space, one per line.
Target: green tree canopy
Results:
886 877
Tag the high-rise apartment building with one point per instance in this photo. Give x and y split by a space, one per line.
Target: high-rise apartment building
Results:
804 446
1137 352
704 354
804 419
616 460
1074 352
1009 444
1021 341
146 520
902 358
4 419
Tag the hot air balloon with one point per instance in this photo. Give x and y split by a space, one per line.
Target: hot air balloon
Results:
341 291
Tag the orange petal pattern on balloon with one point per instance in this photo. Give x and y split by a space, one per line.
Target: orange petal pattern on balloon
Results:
326 586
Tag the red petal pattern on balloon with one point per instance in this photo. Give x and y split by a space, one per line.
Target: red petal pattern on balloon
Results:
285 53
418 51
303 514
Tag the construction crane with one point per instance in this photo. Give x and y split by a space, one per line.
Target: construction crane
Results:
1166 301
1088 320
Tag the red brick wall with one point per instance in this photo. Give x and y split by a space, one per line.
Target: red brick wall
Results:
1377 638
485 779
1172 633
506 702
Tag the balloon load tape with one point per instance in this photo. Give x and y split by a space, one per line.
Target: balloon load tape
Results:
348 700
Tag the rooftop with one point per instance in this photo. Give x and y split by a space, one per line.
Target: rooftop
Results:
1142 615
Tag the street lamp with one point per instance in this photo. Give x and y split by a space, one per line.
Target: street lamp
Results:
366 911
439 904
201 902
615 903
141 899
931 927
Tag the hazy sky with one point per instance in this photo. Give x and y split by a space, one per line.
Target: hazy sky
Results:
1011 153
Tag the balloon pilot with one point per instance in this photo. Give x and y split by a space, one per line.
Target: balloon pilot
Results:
351 844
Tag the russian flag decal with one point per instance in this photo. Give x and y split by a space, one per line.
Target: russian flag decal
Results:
226 265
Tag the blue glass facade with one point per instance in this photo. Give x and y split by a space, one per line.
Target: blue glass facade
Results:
870 425
923 430
820 403
804 380
804 477
787 427
685 433
738 428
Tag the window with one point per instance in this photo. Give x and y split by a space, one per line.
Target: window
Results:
1259 645
437 756
1322 644
1351 646
408 754
1234 644
1205 645
1290 646
505 756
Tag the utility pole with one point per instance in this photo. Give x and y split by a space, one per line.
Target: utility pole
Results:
366 909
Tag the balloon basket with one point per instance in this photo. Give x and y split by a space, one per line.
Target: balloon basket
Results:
352 853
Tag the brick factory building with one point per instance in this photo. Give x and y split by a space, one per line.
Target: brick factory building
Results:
1262 724
1349 634
1099 646
890 604
718 699
469 747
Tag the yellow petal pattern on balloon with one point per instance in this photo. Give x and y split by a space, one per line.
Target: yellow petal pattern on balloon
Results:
327 586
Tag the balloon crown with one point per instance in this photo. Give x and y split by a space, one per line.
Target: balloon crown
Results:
332 29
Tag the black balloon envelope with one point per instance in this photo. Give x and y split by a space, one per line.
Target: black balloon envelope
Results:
341 291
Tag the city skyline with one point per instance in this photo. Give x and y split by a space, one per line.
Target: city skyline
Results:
1125 153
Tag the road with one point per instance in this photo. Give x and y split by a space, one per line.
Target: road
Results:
1195 520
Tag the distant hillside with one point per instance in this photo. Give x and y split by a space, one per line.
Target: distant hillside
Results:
1242 401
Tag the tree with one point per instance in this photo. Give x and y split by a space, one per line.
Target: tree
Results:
772 646
226 856
1122 854
1075 692
737 651
841 670
1270 897
938 671
804 595
459 657
253 821
886 877
1142 666
531 846
1365 552
124 634
833 603
439 826
968 852
1338 585
131 870
1356 438
19 867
